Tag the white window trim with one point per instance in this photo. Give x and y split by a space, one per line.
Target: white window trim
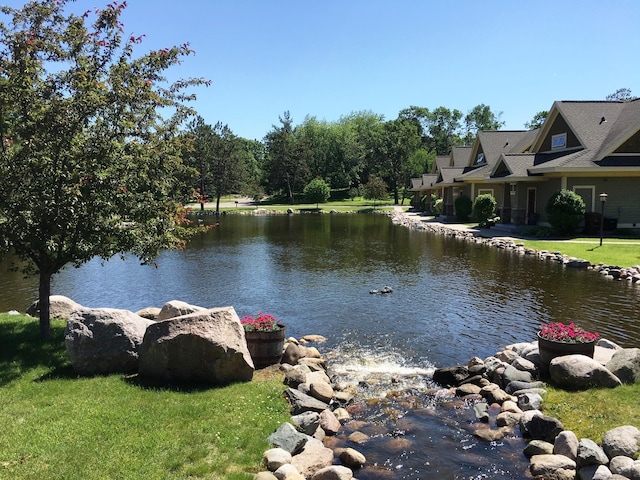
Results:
559 136
483 191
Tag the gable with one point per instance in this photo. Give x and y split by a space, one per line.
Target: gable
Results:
557 129
632 145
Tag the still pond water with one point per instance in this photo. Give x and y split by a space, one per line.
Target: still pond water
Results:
451 300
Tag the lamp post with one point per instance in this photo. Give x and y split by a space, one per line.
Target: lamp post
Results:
603 198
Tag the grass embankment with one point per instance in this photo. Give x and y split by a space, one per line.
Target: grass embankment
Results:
57 426
590 414
614 251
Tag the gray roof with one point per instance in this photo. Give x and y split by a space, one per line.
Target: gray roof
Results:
460 156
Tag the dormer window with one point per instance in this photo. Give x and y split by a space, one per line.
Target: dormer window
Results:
480 159
558 141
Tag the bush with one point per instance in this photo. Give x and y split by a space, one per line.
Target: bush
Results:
464 207
317 191
565 211
436 205
484 208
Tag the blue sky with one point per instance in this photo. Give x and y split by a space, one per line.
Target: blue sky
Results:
332 57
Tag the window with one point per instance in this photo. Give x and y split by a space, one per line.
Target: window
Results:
559 141
480 158
485 191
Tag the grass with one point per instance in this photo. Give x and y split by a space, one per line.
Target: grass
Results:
591 413
56 425
614 251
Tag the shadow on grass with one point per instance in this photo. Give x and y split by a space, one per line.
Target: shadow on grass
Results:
169 385
22 349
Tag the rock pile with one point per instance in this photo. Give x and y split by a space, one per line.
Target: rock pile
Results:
507 383
318 411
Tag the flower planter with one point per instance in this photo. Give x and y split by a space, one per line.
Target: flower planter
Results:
266 347
550 349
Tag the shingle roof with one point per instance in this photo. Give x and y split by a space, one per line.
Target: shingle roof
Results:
460 156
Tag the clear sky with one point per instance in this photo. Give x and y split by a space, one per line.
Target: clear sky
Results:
332 57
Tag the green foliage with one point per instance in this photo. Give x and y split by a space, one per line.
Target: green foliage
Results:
123 428
463 206
565 211
317 191
88 166
436 204
484 208
354 192
537 121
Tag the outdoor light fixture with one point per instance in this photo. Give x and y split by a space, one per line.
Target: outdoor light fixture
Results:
603 198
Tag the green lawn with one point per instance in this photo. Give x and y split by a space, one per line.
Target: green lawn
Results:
57 426
591 413
614 251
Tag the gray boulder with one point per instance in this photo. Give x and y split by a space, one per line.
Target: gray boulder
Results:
621 441
590 453
104 340
150 313
552 467
579 372
59 307
625 364
301 402
288 438
307 422
176 308
274 458
595 472
566 443
207 346
538 447
625 466
334 472
513 374
543 427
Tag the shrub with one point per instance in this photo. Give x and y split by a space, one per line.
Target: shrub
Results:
317 191
464 207
436 204
565 210
484 208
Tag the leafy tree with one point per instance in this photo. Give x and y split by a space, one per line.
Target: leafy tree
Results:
480 117
537 121
623 94
317 191
440 127
216 155
484 208
375 189
565 211
464 207
286 168
88 164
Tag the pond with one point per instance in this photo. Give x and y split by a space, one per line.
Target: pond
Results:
451 300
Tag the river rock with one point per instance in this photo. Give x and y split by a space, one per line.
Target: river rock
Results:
288 438
104 340
150 313
207 346
542 427
291 354
451 376
621 441
329 423
59 307
590 453
306 422
553 467
515 386
625 364
513 374
566 443
294 377
313 457
323 391
274 458
538 447
623 465
508 419
288 472
301 402
352 458
264 476
580 372
494 394
595 472
177 308
335 472
529 401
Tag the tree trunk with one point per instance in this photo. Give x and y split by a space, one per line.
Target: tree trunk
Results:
44 292
218 195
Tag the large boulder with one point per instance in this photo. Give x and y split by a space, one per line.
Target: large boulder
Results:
177 308
579 372
59 307
206 347
625 364
621 441
104 340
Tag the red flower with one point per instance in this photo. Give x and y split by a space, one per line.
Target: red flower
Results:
262 322
571 333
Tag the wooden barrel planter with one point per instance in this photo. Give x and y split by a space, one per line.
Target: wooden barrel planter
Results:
549 350
266 347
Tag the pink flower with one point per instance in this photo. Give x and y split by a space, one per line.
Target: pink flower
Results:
262 322
571 333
